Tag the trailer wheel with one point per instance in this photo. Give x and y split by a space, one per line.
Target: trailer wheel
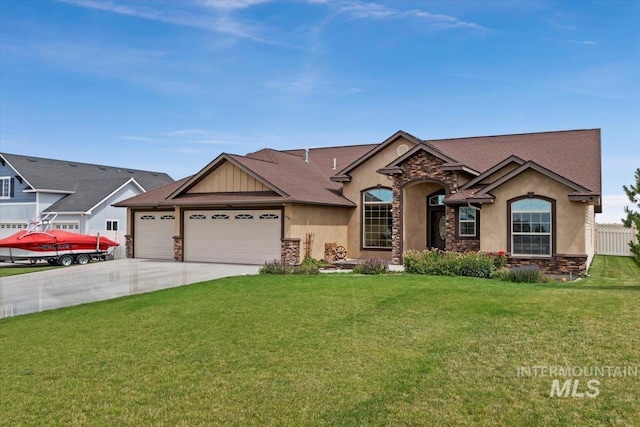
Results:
65 260
83 259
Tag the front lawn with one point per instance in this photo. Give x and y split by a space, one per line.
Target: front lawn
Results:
12 270
335 350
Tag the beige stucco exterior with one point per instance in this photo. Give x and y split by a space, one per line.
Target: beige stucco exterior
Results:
329 225
228 178
414 214
570 216
365 176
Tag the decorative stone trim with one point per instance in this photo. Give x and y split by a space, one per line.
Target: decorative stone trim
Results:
128 245
178 248
428 168
290 251
558 264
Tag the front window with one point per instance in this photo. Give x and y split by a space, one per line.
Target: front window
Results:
5 187
531 227
377 221
467 221
112 225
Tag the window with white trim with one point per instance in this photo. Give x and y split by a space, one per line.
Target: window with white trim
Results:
377 221
467 221
6 182
219 216
147 217
197 216
531 227
167 217
111 225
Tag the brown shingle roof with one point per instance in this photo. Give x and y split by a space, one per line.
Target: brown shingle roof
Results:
301 181
573 154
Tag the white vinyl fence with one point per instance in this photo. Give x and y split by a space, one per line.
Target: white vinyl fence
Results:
613 239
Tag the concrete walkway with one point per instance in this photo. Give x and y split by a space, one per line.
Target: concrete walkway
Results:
79 284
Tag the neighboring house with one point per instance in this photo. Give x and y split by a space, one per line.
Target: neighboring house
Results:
82 194
533 196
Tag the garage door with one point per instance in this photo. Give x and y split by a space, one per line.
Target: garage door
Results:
240 237
154 235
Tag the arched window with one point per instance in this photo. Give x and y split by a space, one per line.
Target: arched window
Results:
376 218
531 227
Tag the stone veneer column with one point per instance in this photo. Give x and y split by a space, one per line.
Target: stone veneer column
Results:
396 232
128 245
290 251
178 248
423 167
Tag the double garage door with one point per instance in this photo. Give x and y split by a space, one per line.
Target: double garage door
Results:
225 236
232 236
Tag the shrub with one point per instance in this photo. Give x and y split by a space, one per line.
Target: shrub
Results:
477 265
501 274
275 267
314 262
440 263
372 266
278 267
526 274
499 259
305 269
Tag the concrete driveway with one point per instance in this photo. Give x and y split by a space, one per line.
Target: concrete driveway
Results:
79 284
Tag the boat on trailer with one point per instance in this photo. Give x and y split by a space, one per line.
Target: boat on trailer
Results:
60 247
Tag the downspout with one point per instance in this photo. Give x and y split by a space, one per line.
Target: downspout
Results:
37 213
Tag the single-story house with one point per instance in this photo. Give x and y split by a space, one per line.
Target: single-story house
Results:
81 194
533 196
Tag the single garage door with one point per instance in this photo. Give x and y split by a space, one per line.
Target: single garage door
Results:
153 235
232 236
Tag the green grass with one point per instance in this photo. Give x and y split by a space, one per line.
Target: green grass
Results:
334 350
14 269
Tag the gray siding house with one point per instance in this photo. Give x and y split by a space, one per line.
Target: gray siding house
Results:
81 194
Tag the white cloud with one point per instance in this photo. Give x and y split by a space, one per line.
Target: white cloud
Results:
183 132
231 4
138 138
364 10
613 209
181 13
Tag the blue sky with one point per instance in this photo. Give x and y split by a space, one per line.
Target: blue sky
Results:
169 85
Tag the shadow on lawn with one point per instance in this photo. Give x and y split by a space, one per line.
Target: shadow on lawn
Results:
588 287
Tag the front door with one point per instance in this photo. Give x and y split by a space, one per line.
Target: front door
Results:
436 221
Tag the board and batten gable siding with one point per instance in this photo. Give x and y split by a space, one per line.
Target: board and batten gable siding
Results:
228 178
19 196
